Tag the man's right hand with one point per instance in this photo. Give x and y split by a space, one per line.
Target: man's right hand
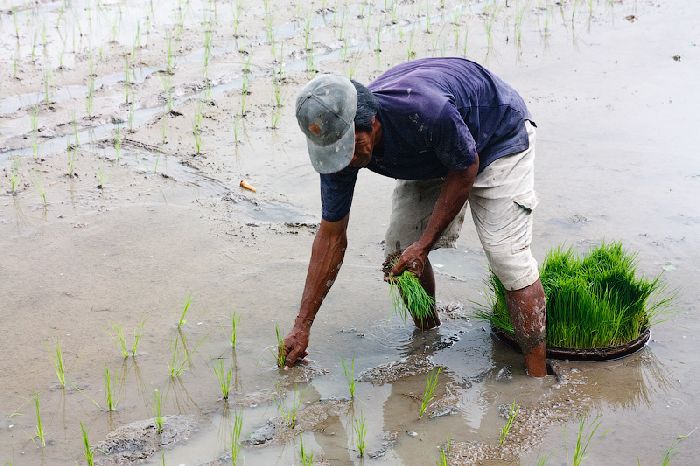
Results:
295 345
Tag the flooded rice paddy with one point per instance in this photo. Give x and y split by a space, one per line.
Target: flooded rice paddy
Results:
125 130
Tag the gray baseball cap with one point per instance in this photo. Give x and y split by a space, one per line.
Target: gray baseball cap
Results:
325 111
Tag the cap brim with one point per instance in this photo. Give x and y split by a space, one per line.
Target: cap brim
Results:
333 157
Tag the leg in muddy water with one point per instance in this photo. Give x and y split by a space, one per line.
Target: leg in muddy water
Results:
428 282
527 308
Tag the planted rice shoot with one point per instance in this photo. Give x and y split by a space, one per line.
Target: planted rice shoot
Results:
360 428
583 440
306 457
183 314
87 449
158 411
442 461
110 403
289 413
224 378
408 295
39 426
505 430
236 438
349 372
281 349
429 393
58 365
235 319
594 301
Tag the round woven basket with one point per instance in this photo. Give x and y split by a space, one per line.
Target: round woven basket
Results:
575 354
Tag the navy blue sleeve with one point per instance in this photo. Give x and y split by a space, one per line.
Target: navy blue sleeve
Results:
336 194
454 145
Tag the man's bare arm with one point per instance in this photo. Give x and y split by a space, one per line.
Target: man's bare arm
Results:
453 195
327 255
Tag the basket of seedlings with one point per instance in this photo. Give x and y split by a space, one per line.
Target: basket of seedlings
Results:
598 307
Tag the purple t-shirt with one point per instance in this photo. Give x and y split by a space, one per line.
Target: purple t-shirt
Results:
436 115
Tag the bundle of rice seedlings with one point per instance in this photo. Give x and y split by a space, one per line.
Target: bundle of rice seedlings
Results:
407 294
593 301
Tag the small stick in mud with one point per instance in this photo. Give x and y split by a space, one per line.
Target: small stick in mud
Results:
87 449
360 428
505 430
429 392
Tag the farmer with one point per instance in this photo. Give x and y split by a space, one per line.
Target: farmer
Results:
447 130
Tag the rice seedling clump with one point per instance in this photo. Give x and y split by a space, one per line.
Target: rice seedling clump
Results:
407 294
593 301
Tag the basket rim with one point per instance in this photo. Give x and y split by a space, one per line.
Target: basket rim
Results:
578 354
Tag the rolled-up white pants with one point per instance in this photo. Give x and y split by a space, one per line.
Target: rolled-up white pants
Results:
502 202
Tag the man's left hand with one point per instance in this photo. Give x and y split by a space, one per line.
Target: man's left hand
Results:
413 259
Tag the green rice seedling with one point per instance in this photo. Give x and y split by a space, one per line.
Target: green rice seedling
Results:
429 392
176 365
121 340
39 426
289 413
71 154
58 365
444 451
306 457
224 378
207 45
236 438
183 314
110 402
35 130
360 428
76 133
39 185
87 449
235 320
311 62
281 350
505 430
409 296
542 461
236 129
236 18
583 440
138 333
593 301
127 79
428 10
666 460
14 176
158 411
349 372
308 41
197 129
277 92
169 57
410 48
275 119
118 143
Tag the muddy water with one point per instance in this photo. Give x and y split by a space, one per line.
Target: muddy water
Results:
615 161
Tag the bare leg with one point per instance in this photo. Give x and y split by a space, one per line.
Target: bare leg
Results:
527 308
428 282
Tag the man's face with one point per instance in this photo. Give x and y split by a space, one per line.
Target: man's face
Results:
363 149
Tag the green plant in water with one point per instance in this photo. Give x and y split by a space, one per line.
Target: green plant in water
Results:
289 413
505 430
583 440
360 428
593 301
110 403
158 411
235 320
121 339
87 449
306 457
236 438
39 426
281 350
429 392
224 377
442 461
183 314
666 461
58 364
176 366
409 296
349 372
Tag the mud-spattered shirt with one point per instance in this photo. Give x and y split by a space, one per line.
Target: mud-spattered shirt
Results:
436 115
